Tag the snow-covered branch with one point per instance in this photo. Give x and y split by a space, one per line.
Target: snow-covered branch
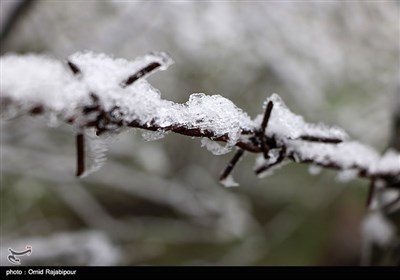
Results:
94 92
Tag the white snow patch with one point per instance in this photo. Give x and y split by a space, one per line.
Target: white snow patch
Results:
285 124
102 73
378 229
388 163
217 114
229 182
345 154
32 80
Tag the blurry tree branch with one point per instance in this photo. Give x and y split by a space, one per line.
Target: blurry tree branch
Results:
12 12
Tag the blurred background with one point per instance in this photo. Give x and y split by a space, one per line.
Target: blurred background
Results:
159 202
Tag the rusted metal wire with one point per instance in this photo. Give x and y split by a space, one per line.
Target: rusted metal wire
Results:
252 140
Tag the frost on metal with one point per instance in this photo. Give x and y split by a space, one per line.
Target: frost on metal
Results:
101 95
285 124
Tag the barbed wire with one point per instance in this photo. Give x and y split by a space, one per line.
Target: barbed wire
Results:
253 140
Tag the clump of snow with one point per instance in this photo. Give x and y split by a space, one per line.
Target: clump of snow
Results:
229 182
388 163
141 102
213 114
217 114
102 73
104 76
346 155
285 124
39 80
36 80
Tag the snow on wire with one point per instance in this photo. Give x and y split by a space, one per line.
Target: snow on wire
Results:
95 92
